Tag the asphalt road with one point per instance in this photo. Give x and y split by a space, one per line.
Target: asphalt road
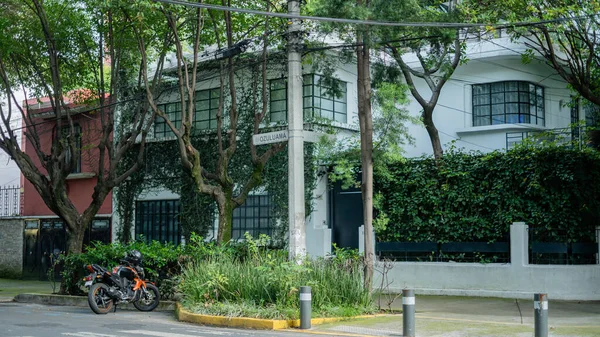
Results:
33 320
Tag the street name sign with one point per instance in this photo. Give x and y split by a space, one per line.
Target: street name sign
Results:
270 137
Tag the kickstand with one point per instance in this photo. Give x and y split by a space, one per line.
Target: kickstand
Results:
115 308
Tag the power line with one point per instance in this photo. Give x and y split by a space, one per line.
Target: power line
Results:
371 22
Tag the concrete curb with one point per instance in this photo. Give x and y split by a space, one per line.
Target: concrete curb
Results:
79 301
252 323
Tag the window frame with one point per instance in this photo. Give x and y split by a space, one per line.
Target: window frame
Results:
526 99
314 98
161 122
150 217
245 217
313 95
78 133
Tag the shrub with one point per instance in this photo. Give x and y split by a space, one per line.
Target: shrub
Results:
263 283
161 263
476 197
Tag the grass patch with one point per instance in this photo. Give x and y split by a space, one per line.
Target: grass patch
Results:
263 284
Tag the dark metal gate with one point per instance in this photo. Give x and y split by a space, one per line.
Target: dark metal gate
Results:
46 239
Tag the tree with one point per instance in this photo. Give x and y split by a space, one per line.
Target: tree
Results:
568 37
358 9
77 56
195 30
438 51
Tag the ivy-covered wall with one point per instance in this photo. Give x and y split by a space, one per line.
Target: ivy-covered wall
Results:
476 197
163 169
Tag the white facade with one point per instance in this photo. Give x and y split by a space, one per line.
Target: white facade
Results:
488 62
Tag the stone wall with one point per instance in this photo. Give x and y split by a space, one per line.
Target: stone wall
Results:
11 248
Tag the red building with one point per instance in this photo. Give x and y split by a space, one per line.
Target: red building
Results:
45 232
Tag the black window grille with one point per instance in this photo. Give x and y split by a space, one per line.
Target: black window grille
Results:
508 102
64 140
255 216
158 220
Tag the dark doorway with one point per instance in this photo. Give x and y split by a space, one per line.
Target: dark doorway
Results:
347 216
45 239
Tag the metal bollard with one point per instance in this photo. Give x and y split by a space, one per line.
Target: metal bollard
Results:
408 313
540 305
305 307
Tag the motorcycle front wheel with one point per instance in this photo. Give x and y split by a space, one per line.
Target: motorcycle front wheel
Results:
98 299
149 298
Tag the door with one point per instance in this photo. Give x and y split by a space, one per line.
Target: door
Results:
347 216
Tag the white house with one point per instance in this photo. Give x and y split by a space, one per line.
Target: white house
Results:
490 102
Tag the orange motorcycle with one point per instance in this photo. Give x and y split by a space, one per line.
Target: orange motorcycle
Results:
124 284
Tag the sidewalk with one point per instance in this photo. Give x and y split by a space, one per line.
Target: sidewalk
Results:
453 316
436 316
10 288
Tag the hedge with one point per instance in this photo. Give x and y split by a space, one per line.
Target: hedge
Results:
476 197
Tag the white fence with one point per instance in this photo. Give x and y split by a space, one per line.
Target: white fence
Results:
517 279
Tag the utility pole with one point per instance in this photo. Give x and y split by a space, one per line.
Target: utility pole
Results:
297 231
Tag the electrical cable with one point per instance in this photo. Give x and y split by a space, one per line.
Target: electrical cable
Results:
370 22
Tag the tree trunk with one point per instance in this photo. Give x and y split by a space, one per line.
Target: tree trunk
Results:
225 207
434 136
366 147
75 239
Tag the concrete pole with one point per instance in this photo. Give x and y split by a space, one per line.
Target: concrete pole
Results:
408 313
305 307
297 231
540 305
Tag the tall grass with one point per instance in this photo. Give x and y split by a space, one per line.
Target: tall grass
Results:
265 284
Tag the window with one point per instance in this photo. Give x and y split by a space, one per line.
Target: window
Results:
207 107
508 103
278 100
592 114
255 216
65 130
319 100
158 220
173 113
205 116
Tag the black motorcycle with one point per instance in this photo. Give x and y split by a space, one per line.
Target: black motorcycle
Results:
124 284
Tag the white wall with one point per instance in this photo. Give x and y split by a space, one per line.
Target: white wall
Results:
9 171
487 62
517 279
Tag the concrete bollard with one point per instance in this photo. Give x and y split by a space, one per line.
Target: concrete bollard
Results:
408 313
540 305
305 307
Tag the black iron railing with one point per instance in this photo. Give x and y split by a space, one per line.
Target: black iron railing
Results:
10 201
550 247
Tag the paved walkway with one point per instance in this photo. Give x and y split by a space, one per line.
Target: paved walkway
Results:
437 316
453 316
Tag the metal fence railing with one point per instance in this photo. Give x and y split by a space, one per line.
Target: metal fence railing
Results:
481 252
559 248
10 201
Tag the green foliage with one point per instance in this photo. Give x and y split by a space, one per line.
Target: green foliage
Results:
476 197
567 41
263 283
160 262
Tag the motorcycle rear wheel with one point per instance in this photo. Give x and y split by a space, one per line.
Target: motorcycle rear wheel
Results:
149 299
99 300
